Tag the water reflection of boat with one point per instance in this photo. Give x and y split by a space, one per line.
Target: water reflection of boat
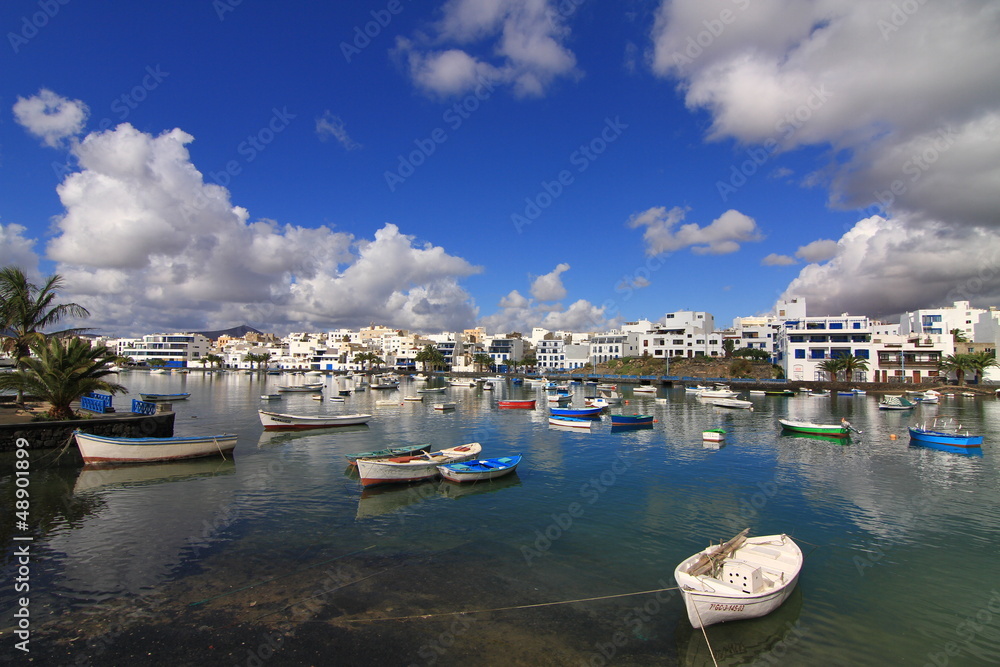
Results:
379 500
141 474
741 642
274 438
971 452
455 491
816 437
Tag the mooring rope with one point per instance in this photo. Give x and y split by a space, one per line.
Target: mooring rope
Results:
520 606
704 634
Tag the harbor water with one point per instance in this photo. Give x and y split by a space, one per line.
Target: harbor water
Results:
277 556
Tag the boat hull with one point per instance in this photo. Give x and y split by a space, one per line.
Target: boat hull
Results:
831 430
571 422
576 412
389 452
631 420
523 405
100 449
413 468
151 398
937 438
775 559
275 421
477 471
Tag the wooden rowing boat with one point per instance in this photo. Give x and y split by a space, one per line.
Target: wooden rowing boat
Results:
105 449
274 421
743 578
403 469
483 469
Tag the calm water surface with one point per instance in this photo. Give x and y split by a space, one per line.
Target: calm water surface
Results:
279 557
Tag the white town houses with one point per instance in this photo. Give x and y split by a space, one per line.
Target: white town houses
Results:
910 351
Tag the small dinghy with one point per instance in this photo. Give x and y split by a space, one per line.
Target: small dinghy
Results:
747 577
474 471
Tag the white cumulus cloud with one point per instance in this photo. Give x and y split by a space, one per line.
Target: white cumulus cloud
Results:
664 233
51 117
147 245
550 287
520 43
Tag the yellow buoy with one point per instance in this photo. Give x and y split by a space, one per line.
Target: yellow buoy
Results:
892 436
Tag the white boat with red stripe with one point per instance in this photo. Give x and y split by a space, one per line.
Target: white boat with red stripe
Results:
402 469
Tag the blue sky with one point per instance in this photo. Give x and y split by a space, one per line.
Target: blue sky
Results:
510 163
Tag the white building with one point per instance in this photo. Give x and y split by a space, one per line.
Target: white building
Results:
959 316
178 350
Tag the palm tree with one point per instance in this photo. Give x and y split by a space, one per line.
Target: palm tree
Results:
959 364
851 365
958 336
430 355
481 360
26 308
62 373
728 345
832 366
979 362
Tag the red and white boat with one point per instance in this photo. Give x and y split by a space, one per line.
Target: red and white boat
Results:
526 405
403 469
104 449
274 421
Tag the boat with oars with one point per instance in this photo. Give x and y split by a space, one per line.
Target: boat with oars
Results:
403 469
946 435
274 421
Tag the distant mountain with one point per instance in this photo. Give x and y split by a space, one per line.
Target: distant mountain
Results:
235 332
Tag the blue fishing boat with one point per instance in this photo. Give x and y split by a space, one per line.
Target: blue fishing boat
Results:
576 412
474 471
631 420
945 436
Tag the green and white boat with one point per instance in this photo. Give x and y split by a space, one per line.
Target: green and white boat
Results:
841 430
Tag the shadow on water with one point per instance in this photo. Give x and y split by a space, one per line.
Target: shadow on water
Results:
145 474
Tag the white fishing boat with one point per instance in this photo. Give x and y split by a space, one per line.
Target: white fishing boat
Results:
274 421
444 406
310 387
895 402
644 389
104 449
403 469
718 392
270 397
413 399
432 390
732 403
743 578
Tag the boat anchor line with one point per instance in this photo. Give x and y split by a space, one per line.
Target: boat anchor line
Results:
520 606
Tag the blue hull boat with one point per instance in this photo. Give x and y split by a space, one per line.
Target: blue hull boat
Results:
631 420
576 412
949 440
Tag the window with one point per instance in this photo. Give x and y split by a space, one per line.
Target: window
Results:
861 354
836 325
800 354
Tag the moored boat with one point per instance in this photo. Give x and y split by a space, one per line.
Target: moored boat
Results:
631 420
743 578
270 397
165 397
571 422
644 389
713 435
388 452
403 469
942 433
274 421
104 449
448 405
576 412
513 404
314 386
895 402
841 430
483 469
732 403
